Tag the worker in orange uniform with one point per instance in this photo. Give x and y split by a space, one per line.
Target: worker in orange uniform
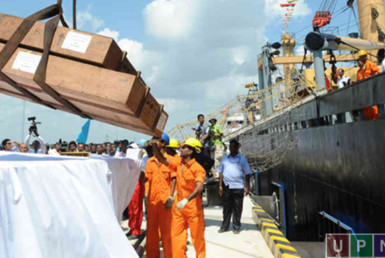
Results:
188 211
161 182
367 69
135 208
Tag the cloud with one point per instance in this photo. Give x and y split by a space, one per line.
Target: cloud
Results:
273 9
171 19
300 50
85 18
135 52
198 54
172 105
109 33
205 64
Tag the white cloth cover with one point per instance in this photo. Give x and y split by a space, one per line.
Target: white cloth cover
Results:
64 206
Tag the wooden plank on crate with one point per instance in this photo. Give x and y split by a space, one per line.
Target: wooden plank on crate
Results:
77 45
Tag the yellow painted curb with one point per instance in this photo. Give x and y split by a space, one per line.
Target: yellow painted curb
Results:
267 224
266 232
279 247
287 255
272 238
275 239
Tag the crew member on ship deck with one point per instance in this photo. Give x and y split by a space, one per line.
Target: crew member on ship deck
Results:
367 69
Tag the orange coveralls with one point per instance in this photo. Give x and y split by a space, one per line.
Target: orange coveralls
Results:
367 70
159 188
192 215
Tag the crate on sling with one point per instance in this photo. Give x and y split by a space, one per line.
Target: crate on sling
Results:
114 97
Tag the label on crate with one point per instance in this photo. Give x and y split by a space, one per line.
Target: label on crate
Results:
26 62
162 122
76 42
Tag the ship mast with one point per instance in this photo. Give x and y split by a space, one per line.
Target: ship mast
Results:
372 20
288 45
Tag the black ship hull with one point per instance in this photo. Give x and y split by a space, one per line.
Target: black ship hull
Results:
334 166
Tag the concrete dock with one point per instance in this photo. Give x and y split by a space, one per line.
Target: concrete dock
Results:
249 243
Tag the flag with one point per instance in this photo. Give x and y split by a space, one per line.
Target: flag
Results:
287 5
82 138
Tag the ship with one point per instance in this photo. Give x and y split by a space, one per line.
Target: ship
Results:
319 170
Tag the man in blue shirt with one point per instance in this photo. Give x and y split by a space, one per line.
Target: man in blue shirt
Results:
234 179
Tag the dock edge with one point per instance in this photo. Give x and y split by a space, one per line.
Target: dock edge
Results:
275 239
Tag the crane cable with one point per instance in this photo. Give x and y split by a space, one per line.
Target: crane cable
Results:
303 61
74 14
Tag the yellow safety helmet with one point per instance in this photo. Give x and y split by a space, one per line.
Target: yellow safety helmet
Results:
362 53
173 143
195 143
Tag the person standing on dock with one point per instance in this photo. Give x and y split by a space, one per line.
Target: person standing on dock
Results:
135 208
367 69
122 151
161 186
202 134
188 211
217 152
234 179
38 146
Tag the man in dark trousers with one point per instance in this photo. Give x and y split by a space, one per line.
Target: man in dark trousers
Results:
234 179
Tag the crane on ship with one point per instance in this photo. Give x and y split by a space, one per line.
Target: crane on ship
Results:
269 96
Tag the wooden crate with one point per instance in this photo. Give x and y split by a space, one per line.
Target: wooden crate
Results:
114 97
77 45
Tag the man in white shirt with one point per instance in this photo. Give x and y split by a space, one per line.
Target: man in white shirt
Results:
343 80
383 65
122 152
38 146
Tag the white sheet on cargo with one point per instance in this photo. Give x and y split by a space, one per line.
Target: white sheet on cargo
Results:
65 206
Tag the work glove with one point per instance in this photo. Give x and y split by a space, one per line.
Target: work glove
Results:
182 204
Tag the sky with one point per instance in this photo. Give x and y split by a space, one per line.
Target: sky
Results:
195 55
